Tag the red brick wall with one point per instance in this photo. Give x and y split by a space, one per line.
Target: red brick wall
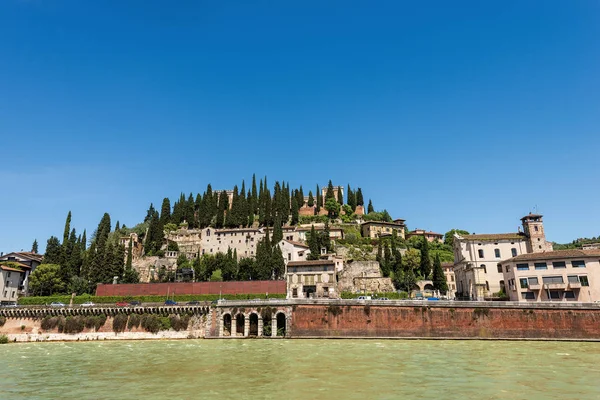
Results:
377 321
162 289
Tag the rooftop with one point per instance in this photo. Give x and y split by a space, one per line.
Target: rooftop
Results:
299 244
495 236
547 255
309 263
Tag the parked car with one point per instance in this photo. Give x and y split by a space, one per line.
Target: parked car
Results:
363 298
88 304
122 304
193 303
10 305
57 304
135 303
170 303
382 298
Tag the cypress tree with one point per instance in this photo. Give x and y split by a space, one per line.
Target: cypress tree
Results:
254 195
370 208
329 193
67 229
359 198
53 253
326 239
439 279
300 197
264 258
319 201
425 266
165 211
387 261
379 256
149 213
311 199
295 211
129 262
277 263
118 226
34 246
313 245
189 211
231 217
340 196
84 240
277 231
223 207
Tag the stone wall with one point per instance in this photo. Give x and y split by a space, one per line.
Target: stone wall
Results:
444 322
363 275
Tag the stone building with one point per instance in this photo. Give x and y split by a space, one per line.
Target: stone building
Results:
448 268
293 251
430 236
562 275
301 231
11 283
137 247
478 258
189 241
375 229
27 261
363 277
243 240
311 279
590 246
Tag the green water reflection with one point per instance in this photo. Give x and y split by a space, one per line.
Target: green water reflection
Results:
300 369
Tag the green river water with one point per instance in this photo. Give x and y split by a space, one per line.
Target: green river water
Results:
300 369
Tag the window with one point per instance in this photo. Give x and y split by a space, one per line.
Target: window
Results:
528 295
289 256
497 253
573 279
294 292
584 280
552 279
554 295
578 264
522 267
484 269
513 251
480 251
569 294
524 283
559 264
536 228
508 268
541 265
499 268
533 281
8 275
452 278
13 294
487 286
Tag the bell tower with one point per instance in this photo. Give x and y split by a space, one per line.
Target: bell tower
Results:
533 227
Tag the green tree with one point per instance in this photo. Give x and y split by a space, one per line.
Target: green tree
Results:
340 196
333 208
46 281
439 279
277 263
277 231
34 246
295 211
247 269
359 198
264 258
319 201
425 264
449 236
313 245
165 211
329 193
53 253
78 285
67 228
311 199
370 208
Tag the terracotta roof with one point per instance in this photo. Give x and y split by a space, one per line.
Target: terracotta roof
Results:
423 233
318 228
447 264
400 225
299 244
570 253
5 268
311 262
495 236
26 254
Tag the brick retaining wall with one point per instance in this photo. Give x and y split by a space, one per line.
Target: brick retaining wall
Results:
198 288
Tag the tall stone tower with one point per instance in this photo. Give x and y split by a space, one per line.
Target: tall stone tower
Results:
533 227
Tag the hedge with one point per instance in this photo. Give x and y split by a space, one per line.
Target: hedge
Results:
31 301
374 296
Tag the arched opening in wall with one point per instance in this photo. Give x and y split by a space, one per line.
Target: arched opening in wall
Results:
428 286
281 324
227 325
266 323
240 321
253 325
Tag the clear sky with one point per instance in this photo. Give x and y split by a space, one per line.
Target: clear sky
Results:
463 114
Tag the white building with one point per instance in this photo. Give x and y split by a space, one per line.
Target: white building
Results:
477 258
10 281
294 251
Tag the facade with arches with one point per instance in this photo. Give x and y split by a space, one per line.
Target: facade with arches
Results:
253 321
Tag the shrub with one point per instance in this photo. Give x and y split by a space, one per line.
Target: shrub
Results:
60 324
3 339
2 320
74 324
48 323
119 322
134 321
165 323
180 323
151 323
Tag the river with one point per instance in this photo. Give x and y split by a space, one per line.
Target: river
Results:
300 369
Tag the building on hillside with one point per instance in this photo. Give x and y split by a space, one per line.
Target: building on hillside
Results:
242 240
293 251
430 236
11 281
27 261
590 246
478 258
375 229
189 241
448 268
334 233
335 193
137 247
562 275
311 279
229 196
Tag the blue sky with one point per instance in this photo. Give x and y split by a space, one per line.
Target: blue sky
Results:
463 114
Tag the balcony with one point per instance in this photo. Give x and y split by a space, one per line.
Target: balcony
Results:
574 285
555 286
535 286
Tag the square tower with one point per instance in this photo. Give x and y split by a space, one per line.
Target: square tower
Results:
533 227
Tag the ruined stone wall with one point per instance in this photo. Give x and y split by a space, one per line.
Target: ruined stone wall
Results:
444 322
363 275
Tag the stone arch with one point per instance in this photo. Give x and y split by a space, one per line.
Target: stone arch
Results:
227 324
428 286
281 324
240 321
253 331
